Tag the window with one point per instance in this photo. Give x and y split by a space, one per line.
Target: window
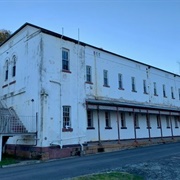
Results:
120 81
158 121
123 121
133 84
148 121
89 119
176 121
164 91
105 75
14 66
107 120
155 89
88 74
167 122
66 117
65 59
144 87
6 70
172 93
179 93
136 121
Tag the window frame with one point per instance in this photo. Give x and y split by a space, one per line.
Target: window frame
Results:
120 81
155 89
105 78
168 121
6 70
172 93
176 121
158 120
89 74
123 120
66 61
136 121
145 86
133 84
90 122
14 60
148 122
164 91
107 120
66 117
179 93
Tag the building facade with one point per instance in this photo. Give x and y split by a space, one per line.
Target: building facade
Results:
68 94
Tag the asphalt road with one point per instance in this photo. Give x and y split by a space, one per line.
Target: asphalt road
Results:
75 166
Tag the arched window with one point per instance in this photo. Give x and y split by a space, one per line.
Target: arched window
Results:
6 70
14 58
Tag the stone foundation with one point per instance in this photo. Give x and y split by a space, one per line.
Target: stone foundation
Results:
55 152
31 152
109 146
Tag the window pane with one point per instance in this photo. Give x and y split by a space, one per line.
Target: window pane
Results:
107 119
136 121
145 86
89 119
65 59
105 73
123 122
14 66
120 81
133 84
66 117
167 121
164 90
88 73
6 70
155 89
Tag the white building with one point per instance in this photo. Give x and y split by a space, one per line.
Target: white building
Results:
59 94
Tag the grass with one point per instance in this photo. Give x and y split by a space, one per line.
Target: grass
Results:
110 176
7 159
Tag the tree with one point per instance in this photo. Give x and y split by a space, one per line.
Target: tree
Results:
4 34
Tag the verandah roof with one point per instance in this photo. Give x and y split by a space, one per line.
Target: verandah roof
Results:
132 107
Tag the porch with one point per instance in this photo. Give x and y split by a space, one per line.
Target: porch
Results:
142 120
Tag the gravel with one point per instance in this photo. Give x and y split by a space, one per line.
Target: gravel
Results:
162 169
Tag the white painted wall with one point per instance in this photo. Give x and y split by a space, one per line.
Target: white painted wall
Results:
40 77
100 60
25 45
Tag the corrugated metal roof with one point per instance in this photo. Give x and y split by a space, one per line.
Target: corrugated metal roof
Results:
133 105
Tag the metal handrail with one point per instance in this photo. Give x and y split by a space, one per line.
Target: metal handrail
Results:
10 124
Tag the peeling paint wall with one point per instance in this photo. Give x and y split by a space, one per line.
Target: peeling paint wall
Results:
63 89
41 88
22 91
99 61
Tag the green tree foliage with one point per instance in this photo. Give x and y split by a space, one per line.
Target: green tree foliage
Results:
4 34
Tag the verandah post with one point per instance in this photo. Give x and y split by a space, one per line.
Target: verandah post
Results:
99 133
117 111
0 148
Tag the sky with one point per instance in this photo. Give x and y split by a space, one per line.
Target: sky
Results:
144 30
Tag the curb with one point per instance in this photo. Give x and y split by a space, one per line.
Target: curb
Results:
21 163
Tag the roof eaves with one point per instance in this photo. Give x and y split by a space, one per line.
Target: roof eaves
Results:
14 33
